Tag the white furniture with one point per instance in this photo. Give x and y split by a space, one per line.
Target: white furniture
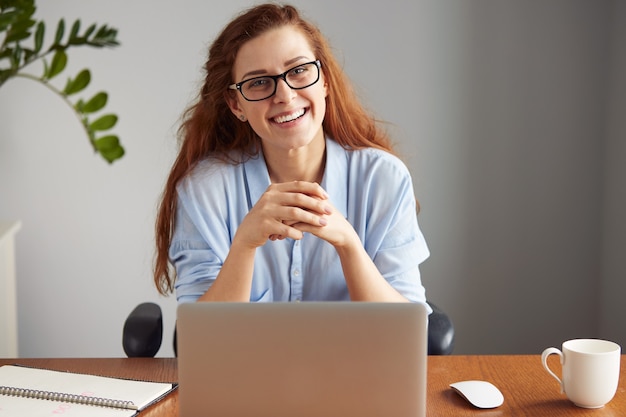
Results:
8 295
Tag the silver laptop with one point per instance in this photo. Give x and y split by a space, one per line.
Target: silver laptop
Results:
308 359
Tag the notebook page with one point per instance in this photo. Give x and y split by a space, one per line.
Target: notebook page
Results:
27 407
141 393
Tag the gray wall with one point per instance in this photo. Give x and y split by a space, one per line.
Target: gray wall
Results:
516 168
508 113
612 309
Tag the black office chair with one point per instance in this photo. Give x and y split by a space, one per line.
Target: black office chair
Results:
143 331
440 332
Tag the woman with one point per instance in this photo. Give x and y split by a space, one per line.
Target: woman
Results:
285 189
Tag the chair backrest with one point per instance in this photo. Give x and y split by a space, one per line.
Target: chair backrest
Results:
143 332
440 332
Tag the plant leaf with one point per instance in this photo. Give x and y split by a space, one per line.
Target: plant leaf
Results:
39 33
113 154
109 147
6 53
28 54
4 75
59 61
89 31
79 83
105 36
105 122
17 36
107 142
7 19
17 56
60 32
15 15
75 39
75 29
96 103
19 30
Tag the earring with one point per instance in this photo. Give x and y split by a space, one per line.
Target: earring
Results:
242 117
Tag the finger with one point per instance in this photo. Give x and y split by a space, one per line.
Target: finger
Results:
308 228
283 231
307 203
292 215
277 237
312 189
306 195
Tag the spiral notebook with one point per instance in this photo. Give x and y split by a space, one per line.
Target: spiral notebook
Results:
33 392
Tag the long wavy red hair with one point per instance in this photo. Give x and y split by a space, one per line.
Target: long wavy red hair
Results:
210 128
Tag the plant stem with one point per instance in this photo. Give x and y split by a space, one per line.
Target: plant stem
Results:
63 97
15 72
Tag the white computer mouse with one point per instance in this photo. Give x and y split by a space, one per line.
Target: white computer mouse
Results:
481 394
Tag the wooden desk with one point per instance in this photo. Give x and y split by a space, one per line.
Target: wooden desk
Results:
528 390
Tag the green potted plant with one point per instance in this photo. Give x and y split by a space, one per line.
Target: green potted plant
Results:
22 41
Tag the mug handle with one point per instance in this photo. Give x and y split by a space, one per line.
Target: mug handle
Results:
544 361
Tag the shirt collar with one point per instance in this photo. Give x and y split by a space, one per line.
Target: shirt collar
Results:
336 176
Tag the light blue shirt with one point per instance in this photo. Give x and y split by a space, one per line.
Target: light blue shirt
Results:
370 187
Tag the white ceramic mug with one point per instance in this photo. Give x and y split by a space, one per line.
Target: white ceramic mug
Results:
590 370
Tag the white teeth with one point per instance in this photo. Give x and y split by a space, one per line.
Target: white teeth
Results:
289 117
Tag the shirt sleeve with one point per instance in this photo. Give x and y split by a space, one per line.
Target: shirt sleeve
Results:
196 263
202 235
388 223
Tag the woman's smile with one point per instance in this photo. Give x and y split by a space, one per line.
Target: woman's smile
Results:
289 117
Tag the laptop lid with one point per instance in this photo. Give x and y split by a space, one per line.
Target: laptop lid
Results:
343 359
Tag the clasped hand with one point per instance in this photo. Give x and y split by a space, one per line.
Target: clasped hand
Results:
288 210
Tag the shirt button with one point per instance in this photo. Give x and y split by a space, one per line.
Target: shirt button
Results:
296 272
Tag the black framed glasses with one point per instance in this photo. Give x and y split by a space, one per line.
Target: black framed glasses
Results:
297 78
